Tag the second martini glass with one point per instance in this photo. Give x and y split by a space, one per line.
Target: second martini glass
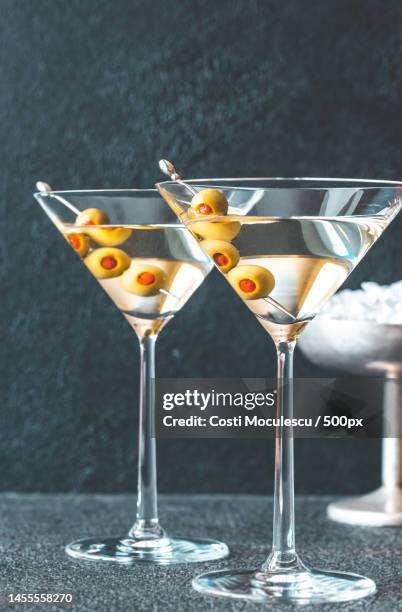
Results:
149 265
285 246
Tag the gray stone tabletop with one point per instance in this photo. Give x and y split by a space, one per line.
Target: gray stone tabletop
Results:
34 529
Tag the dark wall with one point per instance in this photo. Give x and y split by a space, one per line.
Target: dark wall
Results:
93 94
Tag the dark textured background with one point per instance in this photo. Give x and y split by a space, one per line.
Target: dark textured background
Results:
93 94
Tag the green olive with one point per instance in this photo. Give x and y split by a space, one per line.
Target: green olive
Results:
143 279
92 216
107 262
79 242
224 254
216 230
112 236
209 202
251 282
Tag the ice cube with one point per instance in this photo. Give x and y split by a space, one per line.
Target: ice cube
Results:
373 302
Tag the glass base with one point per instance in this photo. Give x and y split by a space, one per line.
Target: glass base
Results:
309 586
380 508
163 551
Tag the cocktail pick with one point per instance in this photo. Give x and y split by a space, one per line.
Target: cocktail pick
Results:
46 188
279 306
43 187
169 169
166 292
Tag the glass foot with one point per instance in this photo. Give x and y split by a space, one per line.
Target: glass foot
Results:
163 551
310 586
380 508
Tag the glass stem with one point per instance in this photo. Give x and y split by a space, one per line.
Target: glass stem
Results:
147 523
283 556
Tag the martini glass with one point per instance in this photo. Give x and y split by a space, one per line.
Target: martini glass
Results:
285 246
149 265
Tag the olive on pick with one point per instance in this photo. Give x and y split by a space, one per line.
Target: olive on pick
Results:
113 236
209 202
79 242
92 216
143 279
251 282
107 262
216 230
224 254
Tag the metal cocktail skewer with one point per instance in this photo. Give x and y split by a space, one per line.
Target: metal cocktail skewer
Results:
279 306
166 292
169 169
46 188
43 187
